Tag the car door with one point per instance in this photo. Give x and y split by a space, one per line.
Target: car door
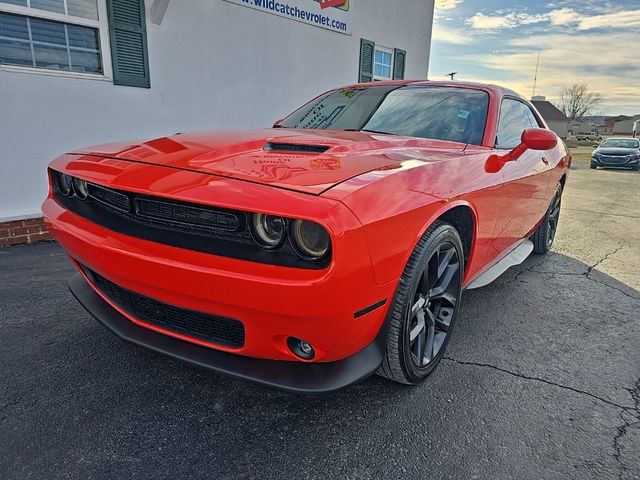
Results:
522 198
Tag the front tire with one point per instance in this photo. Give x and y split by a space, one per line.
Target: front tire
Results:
425 306
592 166
545 234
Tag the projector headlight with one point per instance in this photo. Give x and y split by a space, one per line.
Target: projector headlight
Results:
65 184
269 231
310 240
81 188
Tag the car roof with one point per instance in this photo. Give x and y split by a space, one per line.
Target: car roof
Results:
498 90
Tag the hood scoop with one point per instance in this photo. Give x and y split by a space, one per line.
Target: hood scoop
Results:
294 147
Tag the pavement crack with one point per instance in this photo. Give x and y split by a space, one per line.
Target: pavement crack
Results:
607 214
541 380
606 257
589 277
626 425
523 271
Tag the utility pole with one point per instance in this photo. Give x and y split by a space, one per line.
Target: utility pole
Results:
452 74
535 78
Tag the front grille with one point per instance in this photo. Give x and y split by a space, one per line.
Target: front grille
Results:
109 197
614 159
187 218
202 228
203 326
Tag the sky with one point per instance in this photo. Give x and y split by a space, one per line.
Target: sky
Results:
497 41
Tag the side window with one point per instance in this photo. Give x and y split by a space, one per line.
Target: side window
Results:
515 118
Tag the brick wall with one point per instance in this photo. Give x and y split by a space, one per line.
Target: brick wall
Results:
23 231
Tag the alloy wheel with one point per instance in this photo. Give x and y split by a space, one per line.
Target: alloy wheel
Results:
554 216
434 305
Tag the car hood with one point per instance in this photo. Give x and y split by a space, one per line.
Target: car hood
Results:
616 151
310 161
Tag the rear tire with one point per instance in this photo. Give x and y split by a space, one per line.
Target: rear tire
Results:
425 306
545 234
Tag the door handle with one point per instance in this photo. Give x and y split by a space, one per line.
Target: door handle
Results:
545 161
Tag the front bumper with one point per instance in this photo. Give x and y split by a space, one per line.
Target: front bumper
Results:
612 162
296 377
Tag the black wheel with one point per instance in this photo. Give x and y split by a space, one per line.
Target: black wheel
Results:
546 232
636 168
592 166
425 306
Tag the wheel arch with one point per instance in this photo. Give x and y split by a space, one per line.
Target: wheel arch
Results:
463 216
563 180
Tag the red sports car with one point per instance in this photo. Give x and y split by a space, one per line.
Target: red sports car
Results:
311 255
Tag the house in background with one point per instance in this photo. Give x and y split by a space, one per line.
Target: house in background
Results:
83 72
610 123
556 120
625 127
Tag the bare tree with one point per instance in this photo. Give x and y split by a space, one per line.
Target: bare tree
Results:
577 101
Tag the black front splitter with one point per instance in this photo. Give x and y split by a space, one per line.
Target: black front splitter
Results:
307 378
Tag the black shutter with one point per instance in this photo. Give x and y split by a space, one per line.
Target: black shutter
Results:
128 33
367 51
399 58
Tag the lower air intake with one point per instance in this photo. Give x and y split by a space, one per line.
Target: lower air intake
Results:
203 326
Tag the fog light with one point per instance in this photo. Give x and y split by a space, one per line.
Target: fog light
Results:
300 348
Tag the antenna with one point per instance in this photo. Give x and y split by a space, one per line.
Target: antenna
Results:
452 74
535 78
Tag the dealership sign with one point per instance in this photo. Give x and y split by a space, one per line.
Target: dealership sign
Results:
333 15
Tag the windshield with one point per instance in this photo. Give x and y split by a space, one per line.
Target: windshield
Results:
443 113
620 143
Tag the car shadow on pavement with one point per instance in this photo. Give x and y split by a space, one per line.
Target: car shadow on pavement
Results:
541 377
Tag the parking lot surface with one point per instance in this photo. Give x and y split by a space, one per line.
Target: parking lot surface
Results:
541 380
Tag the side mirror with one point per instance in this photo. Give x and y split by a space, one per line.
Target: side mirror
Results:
278 123
531 139
539 139
596 145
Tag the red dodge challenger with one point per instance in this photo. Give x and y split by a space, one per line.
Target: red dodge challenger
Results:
311 255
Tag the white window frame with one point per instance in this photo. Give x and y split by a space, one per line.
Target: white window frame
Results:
101 24
380 48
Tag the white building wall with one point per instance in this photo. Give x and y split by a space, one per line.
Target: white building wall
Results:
213 65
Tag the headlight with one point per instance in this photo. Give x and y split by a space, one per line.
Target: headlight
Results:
81 189
267 230
310 240
64 183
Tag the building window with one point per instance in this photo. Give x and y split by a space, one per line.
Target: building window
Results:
383 61
380 63
60 35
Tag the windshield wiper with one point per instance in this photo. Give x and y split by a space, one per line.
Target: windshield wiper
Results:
367 131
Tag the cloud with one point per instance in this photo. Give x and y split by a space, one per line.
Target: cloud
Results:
450 35
563 16
447 4
627 19
568 58
498 21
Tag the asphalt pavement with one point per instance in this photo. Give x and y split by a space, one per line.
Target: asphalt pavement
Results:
541 380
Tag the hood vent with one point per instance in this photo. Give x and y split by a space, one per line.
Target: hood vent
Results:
294 148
